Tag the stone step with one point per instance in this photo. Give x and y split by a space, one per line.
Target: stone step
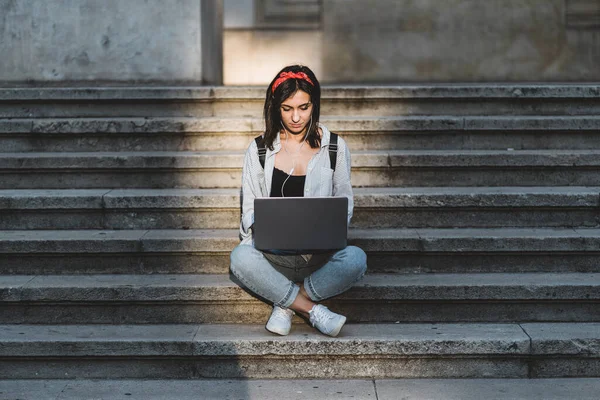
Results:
431 132
369 169
374 208
301 389
378 298
459 99
389 250
375 351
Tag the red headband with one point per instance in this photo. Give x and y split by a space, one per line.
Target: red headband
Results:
284 76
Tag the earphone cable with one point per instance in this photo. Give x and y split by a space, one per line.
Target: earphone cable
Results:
297 152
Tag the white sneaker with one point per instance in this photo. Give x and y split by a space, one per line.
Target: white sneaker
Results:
280 321
326 321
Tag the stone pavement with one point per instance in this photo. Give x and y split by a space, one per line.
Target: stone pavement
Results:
408 389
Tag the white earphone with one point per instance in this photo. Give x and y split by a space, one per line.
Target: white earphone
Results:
297 151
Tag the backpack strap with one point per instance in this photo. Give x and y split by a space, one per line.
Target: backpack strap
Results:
333 147
262 150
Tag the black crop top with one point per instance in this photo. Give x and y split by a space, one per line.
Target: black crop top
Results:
294 187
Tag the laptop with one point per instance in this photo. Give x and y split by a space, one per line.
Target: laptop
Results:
306 224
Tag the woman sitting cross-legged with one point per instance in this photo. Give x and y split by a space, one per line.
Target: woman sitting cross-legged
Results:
296 164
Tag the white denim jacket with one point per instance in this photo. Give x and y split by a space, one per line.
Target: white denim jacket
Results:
321 180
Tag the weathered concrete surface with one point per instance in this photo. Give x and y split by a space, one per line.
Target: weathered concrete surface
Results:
189 389
361 159
143 299
499 286
97 340
357 139
475 240
211 262
374 207
178 198
487 158
564 339
504 349
108 41
146 161
217 262
476 262
389 251
454 197
513 239
469 240
129 125
266 367
565 367
489 389
123 241
51 199
546 91
366 339
255 312
254 340
123 288
190 240
13 282
129 142
564 350
35 389
461 40
344 124
532 123
170 169
221 101
461 350
378 287
178 177
378 160
364 197
70 241
388 389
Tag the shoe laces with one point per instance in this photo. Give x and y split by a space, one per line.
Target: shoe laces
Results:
319 315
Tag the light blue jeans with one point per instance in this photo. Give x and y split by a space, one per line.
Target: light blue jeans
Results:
273 276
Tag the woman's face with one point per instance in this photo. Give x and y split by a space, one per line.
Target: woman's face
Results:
295 112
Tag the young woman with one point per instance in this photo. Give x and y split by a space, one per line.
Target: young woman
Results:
297 164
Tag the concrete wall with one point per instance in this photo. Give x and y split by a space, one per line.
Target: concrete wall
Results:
348 41
239 14
394 41
101 40
253 54
461 40
253 57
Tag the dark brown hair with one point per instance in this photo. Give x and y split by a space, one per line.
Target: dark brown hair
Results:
284 91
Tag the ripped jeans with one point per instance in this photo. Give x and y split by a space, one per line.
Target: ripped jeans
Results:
273 276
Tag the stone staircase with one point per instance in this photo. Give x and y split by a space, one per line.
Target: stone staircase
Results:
478 207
